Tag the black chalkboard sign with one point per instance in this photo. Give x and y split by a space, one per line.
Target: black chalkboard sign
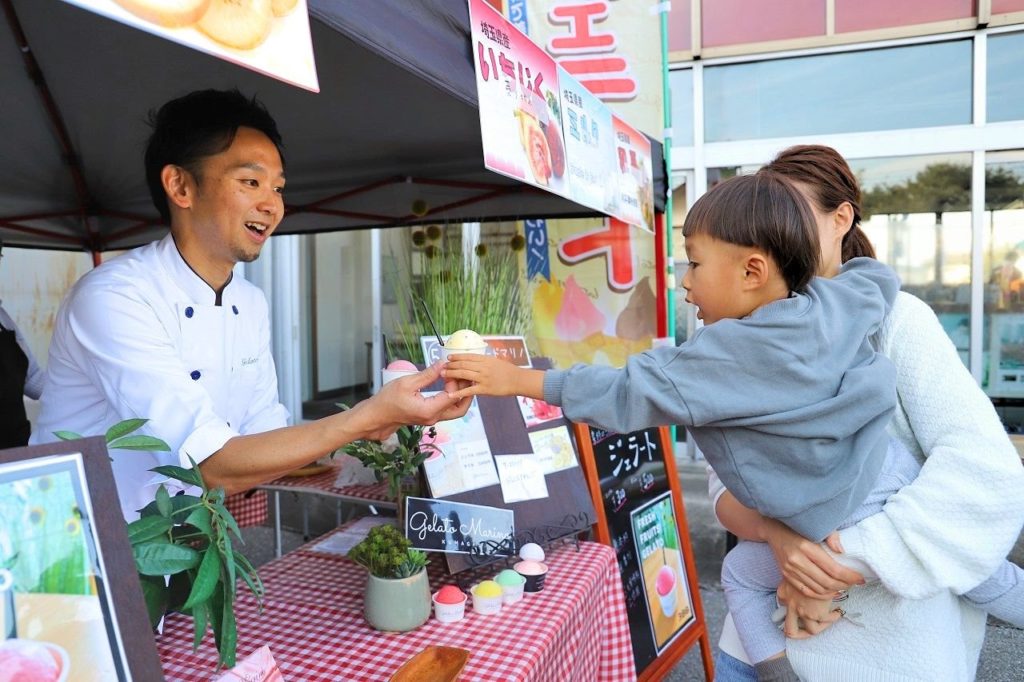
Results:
635 488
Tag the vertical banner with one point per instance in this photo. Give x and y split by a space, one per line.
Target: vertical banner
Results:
598 303
538 263
612 48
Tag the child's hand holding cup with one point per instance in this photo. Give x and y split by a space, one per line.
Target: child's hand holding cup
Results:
463 341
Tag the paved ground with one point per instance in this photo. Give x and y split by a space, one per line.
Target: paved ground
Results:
1002 659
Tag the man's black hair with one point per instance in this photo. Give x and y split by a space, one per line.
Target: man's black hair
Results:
200 124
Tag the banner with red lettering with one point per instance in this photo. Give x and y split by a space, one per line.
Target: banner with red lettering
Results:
517 85
611 47
597 303
528 108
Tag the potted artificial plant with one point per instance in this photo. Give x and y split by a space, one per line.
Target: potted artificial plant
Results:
183 548
483 290
397 595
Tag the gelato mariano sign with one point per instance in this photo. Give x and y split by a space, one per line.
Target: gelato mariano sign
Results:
441 526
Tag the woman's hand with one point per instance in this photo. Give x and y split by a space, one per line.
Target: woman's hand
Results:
806 565
806 616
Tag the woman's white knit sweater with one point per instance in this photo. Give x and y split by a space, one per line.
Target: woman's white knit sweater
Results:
939 536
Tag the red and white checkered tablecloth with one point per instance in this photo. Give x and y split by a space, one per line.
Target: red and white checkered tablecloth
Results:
250 508
376 493
575 629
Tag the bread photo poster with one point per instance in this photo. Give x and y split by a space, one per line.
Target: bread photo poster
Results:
268 36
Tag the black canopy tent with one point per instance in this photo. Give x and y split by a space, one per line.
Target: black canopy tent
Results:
396 120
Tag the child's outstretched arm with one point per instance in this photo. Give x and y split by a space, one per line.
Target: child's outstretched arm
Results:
492 376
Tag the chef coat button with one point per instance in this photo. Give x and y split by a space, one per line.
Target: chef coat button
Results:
234 309
189 312
195 375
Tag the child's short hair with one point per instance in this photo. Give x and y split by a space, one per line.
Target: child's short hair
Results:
764 211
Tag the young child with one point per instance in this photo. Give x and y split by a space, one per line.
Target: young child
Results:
780 389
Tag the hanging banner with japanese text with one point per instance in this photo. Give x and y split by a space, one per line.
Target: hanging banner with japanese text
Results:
517 85
634 201
589 143
527 107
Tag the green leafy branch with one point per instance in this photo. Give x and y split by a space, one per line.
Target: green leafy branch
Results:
396 460
189 539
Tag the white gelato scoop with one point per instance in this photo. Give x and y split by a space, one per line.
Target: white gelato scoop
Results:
465 340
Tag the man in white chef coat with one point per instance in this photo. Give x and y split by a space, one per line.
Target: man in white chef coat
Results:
167 332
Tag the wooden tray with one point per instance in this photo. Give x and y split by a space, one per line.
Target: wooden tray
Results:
433 664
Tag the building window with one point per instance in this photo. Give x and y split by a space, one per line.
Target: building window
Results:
1003 258
1005 100
917 213
885 89
681 84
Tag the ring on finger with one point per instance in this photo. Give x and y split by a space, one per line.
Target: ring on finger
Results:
840 611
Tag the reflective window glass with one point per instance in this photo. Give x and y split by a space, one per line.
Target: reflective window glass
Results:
686 314
1005 97
886 89
917 213
1003 258
681 84
683 311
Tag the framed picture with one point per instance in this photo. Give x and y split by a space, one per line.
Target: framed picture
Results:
68 586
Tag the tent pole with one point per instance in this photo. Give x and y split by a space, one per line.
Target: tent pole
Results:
670 269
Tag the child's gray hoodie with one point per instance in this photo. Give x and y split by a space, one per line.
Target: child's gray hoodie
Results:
789 405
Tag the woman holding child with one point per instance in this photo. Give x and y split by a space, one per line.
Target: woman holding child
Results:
939 536
783 389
